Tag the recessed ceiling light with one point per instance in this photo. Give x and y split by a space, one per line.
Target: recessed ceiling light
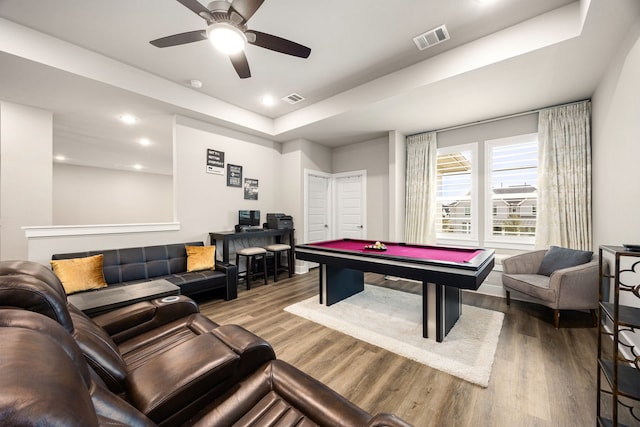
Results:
195 83
128 119
60 158
268 100
145 142
138 166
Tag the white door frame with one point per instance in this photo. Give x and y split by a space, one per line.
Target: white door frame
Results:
308 172
331 198
334 178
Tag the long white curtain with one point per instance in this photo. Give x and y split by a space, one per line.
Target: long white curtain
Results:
564 177
420 192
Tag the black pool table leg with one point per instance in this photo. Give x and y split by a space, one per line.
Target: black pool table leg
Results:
337 284
425 311
441 308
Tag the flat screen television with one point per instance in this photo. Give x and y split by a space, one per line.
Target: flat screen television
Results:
251 218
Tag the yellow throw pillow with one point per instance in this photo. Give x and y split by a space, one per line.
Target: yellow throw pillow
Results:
201 258
80 274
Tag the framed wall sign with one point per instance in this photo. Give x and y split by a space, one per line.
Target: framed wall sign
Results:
215 162
234 175
250 189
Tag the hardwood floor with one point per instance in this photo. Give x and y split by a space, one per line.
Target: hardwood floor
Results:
541 376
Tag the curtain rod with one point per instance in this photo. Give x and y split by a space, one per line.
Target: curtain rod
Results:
509 116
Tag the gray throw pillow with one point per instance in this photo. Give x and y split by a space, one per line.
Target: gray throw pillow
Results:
557 258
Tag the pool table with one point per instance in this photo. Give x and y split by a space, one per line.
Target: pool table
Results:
443 271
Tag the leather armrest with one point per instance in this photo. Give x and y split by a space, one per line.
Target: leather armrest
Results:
144 316
231 272
225 266
253 350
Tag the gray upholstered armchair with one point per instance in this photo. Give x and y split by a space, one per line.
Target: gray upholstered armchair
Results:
571 288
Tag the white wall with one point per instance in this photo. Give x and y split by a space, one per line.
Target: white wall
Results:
87 195
372 156
26 141
616 148
297 156
397 174
203 202
616 155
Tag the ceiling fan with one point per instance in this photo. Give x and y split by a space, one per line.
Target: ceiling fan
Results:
227 30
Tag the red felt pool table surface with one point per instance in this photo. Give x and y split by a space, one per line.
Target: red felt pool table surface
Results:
433 253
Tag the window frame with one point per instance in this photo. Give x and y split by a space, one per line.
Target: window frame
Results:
514 242
473 236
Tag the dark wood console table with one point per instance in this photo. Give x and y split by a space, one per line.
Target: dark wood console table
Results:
227 236
109 298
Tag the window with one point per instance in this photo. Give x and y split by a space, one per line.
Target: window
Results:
498 210
512 179
456 194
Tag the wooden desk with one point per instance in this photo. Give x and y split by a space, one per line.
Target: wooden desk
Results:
227 236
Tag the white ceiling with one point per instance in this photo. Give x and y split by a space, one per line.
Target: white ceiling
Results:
90 61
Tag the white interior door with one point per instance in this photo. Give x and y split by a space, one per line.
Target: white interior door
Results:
318 211
350 212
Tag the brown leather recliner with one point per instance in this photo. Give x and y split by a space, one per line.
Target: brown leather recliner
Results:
45 380
130 348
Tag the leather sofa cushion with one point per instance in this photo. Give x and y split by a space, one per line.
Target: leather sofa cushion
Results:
178 377
137 350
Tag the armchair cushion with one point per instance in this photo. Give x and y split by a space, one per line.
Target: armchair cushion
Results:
558 258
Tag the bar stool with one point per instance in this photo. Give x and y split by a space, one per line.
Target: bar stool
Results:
251 254
277 250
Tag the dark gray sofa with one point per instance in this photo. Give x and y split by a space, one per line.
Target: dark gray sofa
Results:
126 266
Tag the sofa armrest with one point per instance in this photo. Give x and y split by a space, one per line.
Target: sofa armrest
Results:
526 263
231 272
253 350
145 315
577 287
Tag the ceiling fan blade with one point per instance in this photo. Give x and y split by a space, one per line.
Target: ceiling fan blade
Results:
240 63
197 8
244 9
178 39
278 44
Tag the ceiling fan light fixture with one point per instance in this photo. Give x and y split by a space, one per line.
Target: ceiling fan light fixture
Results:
226 38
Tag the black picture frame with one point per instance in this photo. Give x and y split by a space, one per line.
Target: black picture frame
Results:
234 175
250 189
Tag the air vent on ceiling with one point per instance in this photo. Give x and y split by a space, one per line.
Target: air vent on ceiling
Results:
294 98
431 37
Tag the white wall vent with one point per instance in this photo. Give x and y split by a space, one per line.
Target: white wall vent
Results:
431 37
294 98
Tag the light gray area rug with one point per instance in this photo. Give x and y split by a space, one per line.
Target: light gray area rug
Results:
392 320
